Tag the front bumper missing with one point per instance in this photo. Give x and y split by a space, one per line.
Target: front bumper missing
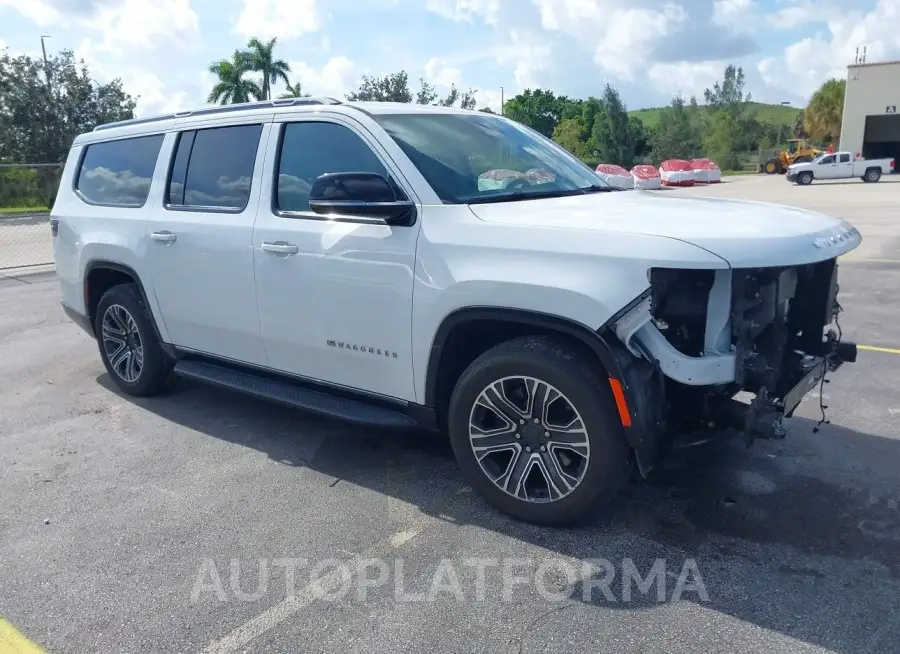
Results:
763 417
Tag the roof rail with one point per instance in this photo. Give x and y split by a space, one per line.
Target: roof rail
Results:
265 104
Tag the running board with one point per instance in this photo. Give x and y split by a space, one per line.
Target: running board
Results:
299 397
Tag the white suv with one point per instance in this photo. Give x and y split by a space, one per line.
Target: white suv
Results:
402 266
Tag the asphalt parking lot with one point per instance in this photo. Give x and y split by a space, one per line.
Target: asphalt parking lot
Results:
202 520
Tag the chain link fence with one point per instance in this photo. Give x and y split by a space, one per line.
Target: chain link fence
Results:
27 192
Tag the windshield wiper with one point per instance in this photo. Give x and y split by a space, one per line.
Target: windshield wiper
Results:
596 188
516 196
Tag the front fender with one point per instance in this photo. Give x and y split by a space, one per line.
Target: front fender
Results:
583 277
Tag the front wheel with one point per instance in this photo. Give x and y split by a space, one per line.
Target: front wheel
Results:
535 430
805 178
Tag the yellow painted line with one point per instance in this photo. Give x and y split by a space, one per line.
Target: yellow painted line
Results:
13 641
873 348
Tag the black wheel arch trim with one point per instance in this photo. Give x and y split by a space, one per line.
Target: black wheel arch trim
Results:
595 340
95 264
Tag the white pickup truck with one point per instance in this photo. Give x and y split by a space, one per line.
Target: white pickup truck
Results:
839 165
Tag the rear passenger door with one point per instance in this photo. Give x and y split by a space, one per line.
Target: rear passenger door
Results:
334 293
200 244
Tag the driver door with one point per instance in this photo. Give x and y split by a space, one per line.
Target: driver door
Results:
827 167
334 292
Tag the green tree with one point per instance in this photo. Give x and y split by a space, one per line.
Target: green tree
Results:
261 59
822 118
42 109
570 134
427 93
293 91
393 87
732 125
614 137
466 99
541 110
233 87
678 133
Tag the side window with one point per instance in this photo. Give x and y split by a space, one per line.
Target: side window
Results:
119 172
213 167
312 149
845 158
827 160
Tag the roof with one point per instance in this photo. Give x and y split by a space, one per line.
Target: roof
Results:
867 64
242 111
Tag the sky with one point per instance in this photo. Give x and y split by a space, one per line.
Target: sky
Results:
649 49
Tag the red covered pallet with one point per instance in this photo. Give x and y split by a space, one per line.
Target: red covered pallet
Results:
615 176
706 171
676 172
646 177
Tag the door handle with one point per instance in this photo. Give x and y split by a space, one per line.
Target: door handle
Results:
163 237
279 247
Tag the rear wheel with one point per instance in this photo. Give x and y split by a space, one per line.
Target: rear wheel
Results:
805 178
872 175
534 428
128 343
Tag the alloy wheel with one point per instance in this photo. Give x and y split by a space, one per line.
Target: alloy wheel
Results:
529 439
122 343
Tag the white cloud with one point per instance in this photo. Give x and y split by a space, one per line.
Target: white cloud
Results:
620 32
335 79
40 12
440 73
527 54
806 64
735 15
286 19
685 78
145 23
488 10
489 98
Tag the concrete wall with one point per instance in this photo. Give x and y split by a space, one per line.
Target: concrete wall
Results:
871 88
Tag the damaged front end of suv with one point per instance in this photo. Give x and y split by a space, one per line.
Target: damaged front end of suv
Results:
700 341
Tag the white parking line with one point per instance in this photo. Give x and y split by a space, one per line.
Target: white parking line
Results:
274 616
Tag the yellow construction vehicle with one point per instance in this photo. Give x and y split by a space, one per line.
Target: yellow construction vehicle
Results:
798 151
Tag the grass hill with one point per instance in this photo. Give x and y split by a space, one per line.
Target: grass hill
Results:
767 113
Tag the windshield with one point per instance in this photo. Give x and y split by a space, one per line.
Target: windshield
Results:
473 158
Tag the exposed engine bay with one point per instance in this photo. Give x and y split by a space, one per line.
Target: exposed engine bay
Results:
701 337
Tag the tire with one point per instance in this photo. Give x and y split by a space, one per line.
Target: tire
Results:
872 175
124 321
594 470
805 178
772 167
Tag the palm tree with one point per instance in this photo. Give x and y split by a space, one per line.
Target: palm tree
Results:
293 91
261 59
232 87
822 118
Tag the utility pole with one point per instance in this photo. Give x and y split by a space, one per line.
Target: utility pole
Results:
501 101
46 62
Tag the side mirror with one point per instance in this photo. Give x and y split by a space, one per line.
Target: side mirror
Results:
366 195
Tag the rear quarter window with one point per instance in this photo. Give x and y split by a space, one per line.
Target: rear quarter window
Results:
118 173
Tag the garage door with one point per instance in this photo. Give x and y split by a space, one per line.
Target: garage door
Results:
882 137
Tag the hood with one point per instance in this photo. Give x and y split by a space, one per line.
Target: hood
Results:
746 234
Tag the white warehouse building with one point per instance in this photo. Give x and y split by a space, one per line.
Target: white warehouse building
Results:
871 124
